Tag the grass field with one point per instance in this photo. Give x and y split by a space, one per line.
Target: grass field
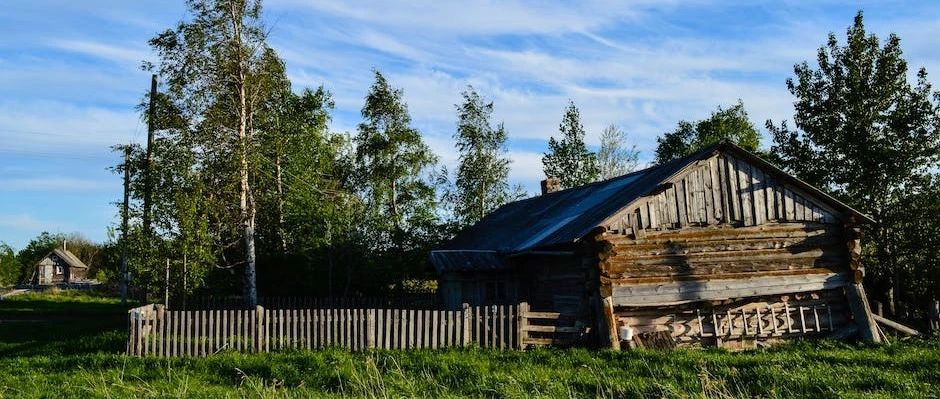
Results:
67 345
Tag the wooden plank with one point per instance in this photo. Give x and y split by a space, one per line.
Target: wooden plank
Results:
744 187
757 188
682 197
714 187
522 320
708 206
895 325
722 191
370 328
501 316
690 291
543 315
734 195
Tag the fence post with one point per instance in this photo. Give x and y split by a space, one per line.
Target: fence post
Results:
132 337
465 312
934 313
522 324
259 328
370 328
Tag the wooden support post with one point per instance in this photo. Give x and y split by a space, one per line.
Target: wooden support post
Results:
522 325
610 324
858 303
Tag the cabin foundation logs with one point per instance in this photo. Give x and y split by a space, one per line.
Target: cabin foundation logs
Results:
741 323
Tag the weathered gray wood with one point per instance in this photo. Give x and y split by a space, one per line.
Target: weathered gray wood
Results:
895 325
690 291
858 304
714 188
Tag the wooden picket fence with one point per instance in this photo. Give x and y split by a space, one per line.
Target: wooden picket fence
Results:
157 331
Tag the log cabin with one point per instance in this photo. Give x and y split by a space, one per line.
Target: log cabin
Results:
58 267
719 248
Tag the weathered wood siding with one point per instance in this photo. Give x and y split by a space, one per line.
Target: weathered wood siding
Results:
724 230
722 189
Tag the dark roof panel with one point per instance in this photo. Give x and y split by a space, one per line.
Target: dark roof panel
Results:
560 217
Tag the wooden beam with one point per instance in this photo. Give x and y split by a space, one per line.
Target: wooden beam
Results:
609 321
858 303
678 292
895 325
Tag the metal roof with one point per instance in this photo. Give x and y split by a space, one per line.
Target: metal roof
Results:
69 258
560 217
566 216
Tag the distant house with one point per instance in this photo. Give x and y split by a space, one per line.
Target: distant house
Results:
59 267
716 248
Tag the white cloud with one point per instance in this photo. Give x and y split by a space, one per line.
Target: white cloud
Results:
65 128
56 184
131 54
23 222
479 17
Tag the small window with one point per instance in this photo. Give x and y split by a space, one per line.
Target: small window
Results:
59 270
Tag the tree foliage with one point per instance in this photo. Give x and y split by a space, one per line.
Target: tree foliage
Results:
481 183
9 266
393 166
870 136
730 124
569 159
616 157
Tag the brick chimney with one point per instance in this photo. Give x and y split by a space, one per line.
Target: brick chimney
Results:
550 185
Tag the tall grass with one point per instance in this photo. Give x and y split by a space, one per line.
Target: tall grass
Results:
817 370
78 356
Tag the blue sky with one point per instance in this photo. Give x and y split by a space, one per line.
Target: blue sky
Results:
69 76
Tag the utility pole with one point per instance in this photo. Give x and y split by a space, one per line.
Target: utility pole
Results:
127 179
148 174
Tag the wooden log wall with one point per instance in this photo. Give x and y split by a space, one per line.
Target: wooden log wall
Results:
721 250
727 237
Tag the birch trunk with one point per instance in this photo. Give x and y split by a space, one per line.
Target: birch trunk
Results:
246 203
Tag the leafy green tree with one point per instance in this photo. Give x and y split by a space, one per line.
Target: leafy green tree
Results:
730 124
569 159
615 157
9 266
482 176
214 65
871 137
392 163
393 166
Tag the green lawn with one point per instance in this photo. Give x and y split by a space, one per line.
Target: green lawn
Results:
76 354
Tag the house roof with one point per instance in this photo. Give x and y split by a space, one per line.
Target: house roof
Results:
566 216
68 257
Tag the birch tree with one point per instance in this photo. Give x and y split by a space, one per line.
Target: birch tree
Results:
212 65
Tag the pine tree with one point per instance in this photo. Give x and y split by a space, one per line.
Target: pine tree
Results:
481 183
569 159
